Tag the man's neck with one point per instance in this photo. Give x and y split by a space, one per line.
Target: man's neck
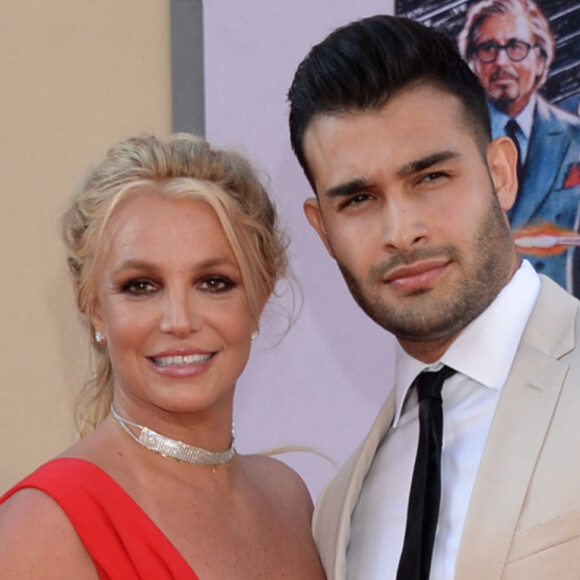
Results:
428 351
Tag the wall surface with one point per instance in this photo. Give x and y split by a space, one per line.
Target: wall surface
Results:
76 77
324 382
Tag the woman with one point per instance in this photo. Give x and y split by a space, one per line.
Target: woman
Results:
174 250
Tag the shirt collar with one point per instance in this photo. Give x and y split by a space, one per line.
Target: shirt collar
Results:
525 119
485 350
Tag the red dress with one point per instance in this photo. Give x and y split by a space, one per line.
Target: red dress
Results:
119 536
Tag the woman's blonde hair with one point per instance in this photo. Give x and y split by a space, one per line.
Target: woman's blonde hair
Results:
180 167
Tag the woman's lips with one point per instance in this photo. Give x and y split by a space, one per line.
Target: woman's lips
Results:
181 365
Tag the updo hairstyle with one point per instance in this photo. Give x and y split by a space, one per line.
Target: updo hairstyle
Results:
179 167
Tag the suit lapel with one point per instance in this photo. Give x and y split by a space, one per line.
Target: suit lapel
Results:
517 433
548 143
348 487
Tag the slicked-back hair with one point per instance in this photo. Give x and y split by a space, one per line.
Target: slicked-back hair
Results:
361 66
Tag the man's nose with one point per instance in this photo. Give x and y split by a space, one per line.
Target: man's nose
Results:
403 227
502 57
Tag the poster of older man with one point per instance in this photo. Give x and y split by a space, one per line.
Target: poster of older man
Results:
526 55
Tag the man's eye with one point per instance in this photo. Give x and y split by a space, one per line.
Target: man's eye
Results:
139 287
355 200
433 176
487 47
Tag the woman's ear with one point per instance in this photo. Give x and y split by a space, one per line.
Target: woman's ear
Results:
502 158
98 326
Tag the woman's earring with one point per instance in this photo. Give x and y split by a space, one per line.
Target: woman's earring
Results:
255 334
99 337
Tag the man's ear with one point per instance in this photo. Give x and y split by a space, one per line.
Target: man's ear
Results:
502 157
315 219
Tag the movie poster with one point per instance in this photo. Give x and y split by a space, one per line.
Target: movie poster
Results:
527 57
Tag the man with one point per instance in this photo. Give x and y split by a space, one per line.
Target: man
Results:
392 130
510 47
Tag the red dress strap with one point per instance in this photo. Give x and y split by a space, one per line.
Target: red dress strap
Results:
124 543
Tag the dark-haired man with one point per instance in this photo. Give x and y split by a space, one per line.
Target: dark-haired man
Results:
470 470
510 47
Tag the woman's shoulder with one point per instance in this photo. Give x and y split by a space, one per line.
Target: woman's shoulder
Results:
37 540
272 467
30 509
278 480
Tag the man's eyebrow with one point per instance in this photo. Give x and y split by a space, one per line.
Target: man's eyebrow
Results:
359 184
418 165
351 187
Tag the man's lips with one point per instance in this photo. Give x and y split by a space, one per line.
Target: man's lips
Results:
416 276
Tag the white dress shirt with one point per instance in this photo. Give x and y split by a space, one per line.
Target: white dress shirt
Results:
482 356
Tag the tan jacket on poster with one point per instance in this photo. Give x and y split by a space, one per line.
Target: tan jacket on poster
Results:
523 520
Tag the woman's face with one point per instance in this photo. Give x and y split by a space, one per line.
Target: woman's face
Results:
172 308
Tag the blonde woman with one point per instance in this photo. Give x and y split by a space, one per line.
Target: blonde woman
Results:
174 250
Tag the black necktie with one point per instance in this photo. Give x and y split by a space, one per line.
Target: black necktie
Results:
511 130
425 494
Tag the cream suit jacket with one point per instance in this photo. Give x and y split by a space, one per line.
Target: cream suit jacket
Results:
523 520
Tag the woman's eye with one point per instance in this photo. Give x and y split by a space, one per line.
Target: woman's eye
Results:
139 287
216 285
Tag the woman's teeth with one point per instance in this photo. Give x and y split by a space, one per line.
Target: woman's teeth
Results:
181 361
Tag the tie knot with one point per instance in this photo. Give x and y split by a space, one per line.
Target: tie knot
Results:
512 128
429 383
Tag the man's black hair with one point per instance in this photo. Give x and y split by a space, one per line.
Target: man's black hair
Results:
362 65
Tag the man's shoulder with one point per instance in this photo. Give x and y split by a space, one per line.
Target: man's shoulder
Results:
332 496
552 114
349 479
555 296
552 298
554 322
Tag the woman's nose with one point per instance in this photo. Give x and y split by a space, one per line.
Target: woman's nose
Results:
180 315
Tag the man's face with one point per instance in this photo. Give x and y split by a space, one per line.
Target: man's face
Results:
507 83
406 206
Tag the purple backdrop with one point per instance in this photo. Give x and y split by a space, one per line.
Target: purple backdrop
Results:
323 383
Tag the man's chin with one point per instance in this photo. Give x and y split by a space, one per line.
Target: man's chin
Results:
501 100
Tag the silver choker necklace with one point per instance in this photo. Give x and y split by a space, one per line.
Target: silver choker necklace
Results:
177 449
